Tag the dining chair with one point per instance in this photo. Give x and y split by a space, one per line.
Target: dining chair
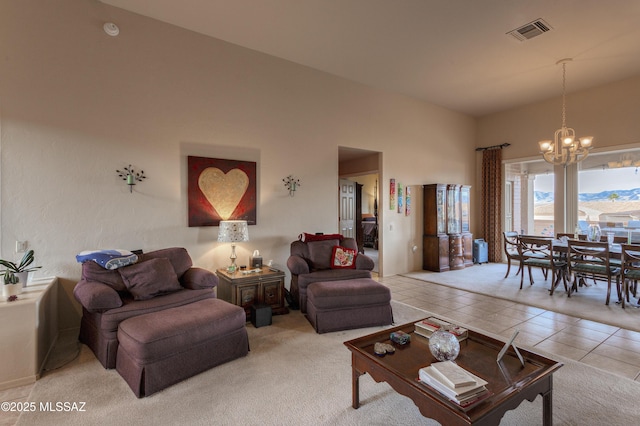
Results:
565 235
568 236
591 259
511 250
538 252
629 270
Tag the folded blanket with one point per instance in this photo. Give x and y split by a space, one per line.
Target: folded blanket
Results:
108 259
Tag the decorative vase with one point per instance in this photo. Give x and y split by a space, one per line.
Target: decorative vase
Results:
9 290
594 233
444 346
23 278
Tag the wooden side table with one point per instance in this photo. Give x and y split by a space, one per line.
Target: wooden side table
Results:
247 289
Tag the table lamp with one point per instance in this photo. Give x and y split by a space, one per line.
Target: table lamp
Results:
233 231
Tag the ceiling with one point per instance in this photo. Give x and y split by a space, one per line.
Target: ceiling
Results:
453 53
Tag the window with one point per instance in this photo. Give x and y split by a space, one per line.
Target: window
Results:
609 192
529 198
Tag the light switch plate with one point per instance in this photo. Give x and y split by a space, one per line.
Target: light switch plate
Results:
21 246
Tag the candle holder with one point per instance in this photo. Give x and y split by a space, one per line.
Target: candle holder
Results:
291 184
131 176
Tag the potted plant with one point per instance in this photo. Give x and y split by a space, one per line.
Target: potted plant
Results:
11 287
18 271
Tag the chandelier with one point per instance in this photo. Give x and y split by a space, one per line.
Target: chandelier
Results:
627 160
565 149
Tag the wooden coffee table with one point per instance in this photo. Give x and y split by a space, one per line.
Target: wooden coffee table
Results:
509 382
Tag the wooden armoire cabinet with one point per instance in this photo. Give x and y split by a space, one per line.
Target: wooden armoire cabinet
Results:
447 239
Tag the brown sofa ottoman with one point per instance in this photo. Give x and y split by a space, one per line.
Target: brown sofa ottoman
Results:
162 348
342 305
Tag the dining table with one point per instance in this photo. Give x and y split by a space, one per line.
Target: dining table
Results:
561 245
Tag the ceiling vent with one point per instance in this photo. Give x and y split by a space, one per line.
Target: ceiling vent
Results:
530 30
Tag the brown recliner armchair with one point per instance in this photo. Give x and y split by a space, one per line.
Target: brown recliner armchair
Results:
311 261
107 302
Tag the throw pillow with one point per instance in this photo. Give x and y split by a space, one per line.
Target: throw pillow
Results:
178 257
150 278
321 254
304 237
108 259
343 258
93 272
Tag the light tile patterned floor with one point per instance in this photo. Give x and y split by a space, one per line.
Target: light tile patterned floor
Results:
600 345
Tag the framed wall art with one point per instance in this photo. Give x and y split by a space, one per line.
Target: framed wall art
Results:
392 194
220 189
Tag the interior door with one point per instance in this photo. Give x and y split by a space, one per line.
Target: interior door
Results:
347 208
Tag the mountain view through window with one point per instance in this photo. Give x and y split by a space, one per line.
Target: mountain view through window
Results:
608 195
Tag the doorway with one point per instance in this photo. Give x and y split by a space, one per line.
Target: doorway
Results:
359 195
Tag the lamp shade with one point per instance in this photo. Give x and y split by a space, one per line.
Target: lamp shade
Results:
233 231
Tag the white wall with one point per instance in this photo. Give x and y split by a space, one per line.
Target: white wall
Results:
76 104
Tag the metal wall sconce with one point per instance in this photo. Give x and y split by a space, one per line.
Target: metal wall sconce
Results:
291 184
131 176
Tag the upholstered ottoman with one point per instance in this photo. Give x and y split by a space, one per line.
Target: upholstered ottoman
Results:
162 348
342 305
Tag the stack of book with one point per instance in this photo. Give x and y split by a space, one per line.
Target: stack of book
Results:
427 326
454 382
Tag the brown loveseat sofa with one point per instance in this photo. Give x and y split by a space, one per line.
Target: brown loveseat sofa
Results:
106 301
310 261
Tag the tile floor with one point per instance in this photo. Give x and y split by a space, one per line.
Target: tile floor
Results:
600 345
609 348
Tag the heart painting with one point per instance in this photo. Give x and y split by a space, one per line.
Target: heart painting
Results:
221 190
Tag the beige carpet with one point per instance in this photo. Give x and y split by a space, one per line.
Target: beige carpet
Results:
489 279
294 376
374 255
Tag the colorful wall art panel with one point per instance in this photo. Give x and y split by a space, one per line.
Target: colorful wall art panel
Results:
392 194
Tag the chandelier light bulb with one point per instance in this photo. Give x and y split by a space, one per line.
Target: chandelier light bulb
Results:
586 141
545 145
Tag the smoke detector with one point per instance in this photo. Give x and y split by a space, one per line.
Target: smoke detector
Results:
530 30
111 29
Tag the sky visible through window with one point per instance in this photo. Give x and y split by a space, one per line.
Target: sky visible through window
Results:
598 180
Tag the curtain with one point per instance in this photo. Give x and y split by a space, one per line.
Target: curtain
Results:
492 202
